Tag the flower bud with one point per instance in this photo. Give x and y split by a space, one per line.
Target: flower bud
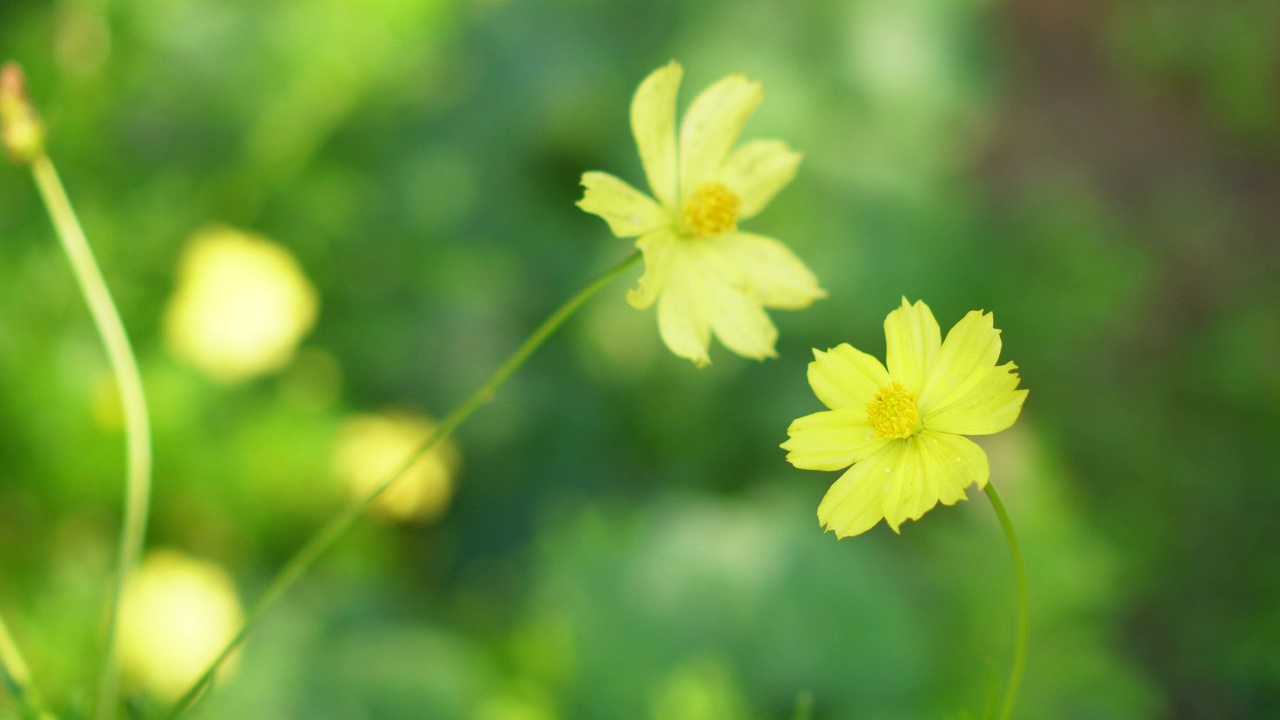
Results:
20 126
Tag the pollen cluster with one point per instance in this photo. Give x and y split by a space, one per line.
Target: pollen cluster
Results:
711 210
893 412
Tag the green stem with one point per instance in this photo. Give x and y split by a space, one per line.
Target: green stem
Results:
302 561
17 676
137 429
1020 571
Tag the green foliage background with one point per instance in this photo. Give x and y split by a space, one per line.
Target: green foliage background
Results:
627 540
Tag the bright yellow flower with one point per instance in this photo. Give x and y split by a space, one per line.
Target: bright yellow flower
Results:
705 274
902 428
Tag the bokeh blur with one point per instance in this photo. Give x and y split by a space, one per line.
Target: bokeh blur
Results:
390 184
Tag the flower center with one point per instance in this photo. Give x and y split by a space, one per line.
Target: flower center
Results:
893 412
711 210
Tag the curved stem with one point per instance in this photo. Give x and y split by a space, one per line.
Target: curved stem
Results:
137 428
302 561
1020 571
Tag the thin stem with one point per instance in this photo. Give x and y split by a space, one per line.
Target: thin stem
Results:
302 561
137 429
17 676
1020 571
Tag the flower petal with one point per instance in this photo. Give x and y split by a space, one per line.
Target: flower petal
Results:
965 358
711 127
756 171
845 378
912 338
831 440
952 463
737 317
906 493
854 503
659 249
628 211
682 312
775 276
989 407
653 122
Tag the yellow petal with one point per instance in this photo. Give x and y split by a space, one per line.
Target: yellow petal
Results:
952 464
711 127
989 407
682 313
912 338
735 314
658 248
653 122
845 378
907 492
628 211
756 171
772 273
964 360
854 503
831 440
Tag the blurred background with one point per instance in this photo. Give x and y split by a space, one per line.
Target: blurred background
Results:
326 221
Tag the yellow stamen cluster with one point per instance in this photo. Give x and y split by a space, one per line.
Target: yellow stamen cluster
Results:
711 210
893 412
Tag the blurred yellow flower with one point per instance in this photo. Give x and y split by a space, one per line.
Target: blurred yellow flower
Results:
176 616
705 274
371 447
241 305
902 428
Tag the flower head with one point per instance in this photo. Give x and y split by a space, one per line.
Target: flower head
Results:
705 274
176 615
241 306
371 447
902 429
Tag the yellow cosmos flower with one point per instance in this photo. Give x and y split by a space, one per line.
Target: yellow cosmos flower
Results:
902 429
176 615
705 274
371 447
241 306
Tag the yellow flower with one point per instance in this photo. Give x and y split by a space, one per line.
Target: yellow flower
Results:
370 447
241 306
705 274
902 429
176 615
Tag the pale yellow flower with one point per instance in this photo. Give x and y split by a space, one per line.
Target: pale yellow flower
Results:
176 616
902 429
370 447
705 274
241 306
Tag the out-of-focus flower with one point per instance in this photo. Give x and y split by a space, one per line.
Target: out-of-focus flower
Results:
241 305
371 447
176 616
902 429
705 274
